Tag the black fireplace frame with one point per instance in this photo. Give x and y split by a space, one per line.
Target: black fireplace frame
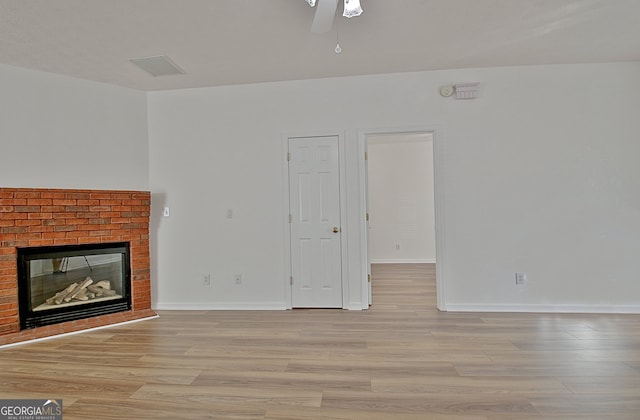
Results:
33 319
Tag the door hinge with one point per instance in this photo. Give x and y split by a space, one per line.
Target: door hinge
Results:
369 278
291 280
288 156
290 218
367 216
366 156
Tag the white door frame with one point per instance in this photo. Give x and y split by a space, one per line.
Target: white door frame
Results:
438 176
343 211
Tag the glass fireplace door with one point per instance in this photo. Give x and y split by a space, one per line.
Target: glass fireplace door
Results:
61 283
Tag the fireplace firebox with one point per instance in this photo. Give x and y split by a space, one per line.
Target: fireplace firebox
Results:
70 282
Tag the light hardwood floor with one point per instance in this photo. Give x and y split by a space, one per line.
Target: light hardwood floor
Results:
402 359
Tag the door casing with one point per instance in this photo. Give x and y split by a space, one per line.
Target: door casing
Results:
438 177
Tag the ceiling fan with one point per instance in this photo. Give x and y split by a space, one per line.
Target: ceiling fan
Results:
326 11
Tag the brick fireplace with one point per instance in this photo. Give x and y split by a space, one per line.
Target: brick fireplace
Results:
50 217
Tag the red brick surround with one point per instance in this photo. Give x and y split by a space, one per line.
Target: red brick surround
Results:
41 217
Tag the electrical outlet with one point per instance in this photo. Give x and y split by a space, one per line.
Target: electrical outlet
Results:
521 278
206 279
238 278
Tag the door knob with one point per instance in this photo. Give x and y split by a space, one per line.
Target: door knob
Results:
336 229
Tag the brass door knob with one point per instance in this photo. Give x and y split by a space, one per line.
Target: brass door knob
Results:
336 229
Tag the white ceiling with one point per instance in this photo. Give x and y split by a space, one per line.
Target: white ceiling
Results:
223 42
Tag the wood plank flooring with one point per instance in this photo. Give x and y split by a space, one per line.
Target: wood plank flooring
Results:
402 359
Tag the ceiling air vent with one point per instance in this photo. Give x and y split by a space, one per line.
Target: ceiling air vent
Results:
157 66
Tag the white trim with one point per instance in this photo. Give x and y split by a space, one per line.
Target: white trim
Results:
223 306
344 226
438 179
354 307
102 327
286 225
408 261
569 309
440 225
363 225
344 220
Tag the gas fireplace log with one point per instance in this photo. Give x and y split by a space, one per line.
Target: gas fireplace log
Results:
108 292
86 290
105 284
99 287
58 297
102 289
87 281
82 295
101 292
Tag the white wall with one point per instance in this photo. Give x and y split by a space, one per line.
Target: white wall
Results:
60 132
401 198
540 175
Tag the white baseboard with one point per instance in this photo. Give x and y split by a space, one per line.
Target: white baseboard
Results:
221 306
246 306
386 261
569 309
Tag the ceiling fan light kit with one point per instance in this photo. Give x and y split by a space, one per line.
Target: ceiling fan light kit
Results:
325 13
352 8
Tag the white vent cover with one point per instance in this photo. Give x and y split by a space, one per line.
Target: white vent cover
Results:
157 66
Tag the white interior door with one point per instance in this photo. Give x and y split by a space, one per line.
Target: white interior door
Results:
314 197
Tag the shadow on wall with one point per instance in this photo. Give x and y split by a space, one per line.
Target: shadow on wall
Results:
158 205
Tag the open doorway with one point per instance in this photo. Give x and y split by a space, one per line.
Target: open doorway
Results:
401 199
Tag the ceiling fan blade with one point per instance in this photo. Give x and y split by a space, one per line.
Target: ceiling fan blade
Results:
325 12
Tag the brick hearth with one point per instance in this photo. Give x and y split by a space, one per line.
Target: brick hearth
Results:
41 217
